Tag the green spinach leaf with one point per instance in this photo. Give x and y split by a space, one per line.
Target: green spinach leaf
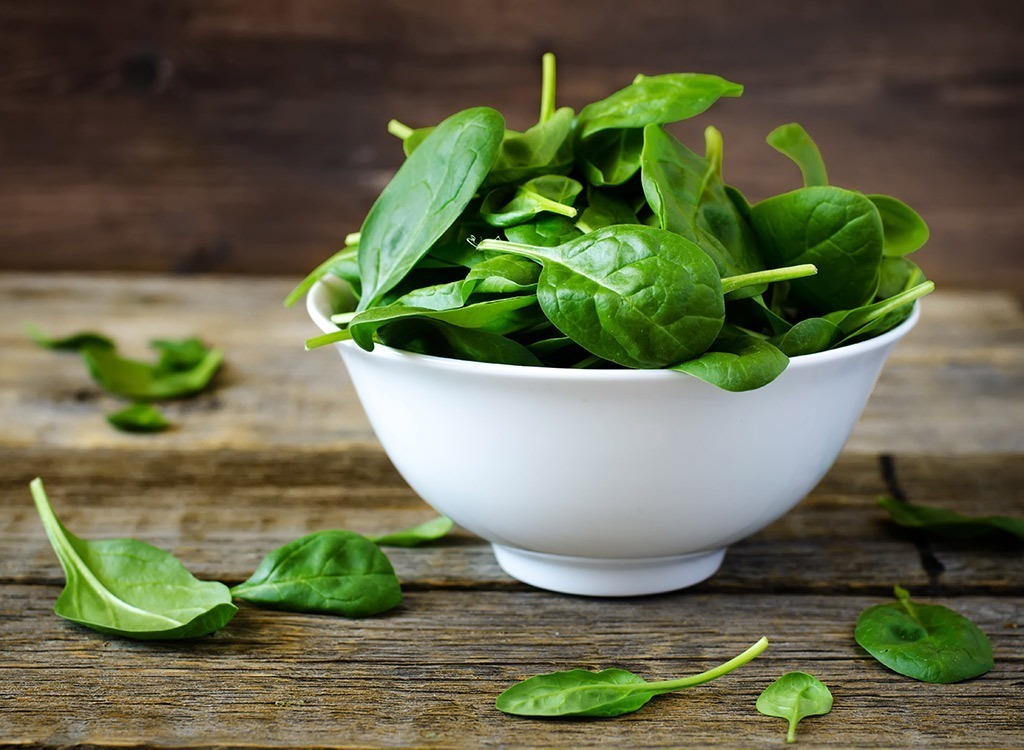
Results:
145 382
795 696
129 588
611 692
737 363
928 642
140 417
793 141
952 525
904 229
545 231
326 572
555 194
837 230
655 99
72 343
634 295
440 339
428 531
425 197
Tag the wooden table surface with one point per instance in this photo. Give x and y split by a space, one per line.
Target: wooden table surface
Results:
281 447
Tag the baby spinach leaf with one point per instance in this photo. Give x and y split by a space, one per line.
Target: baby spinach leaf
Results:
501 315
637 296
604 208
611 692
928 642
129 588
793 141
655 99
896 275
952 525
546 148
428 531
552 193
425 197
904 229
179 355
326 572
808 337
139 418
795 696
71 343
441 339
146 382
544 231
611 157
688 196
737 363
837 230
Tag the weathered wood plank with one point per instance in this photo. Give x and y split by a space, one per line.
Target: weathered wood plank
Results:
955 385
221 518
245 137
427 675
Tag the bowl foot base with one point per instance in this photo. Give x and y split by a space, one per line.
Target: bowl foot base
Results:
591 576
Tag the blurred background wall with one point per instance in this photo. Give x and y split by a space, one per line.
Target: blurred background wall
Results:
248 136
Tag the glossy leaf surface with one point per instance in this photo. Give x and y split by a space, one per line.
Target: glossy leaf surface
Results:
793 141
904 229
795 696
129 588
327 572
928 642
425 197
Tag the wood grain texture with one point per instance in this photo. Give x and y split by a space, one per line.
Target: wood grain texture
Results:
426 675
281 447
955 385
249 136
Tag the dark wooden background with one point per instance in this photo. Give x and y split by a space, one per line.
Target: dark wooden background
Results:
247 136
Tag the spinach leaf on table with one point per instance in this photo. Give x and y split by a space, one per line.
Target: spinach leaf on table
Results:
611 692
146 382
927 642
949 524
139 417
795 696
326 572
71 343
428 531
129 588
425 197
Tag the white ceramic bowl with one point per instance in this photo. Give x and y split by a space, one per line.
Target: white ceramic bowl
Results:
607 482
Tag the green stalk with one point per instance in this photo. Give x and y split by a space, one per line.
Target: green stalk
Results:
327 338
732 283
547 87
697 679
399 130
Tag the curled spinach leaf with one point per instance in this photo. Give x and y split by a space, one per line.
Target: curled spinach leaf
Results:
129 588
795 696
928 642
326 572
737 363
793 141
904 229
425 197
551 193
611 692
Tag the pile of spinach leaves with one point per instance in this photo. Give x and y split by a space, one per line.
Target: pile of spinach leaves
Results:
597 239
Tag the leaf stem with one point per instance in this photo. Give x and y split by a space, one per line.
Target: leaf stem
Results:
547 87
697 679
399 130
732 283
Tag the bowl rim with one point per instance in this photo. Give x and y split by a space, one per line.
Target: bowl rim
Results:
319 297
